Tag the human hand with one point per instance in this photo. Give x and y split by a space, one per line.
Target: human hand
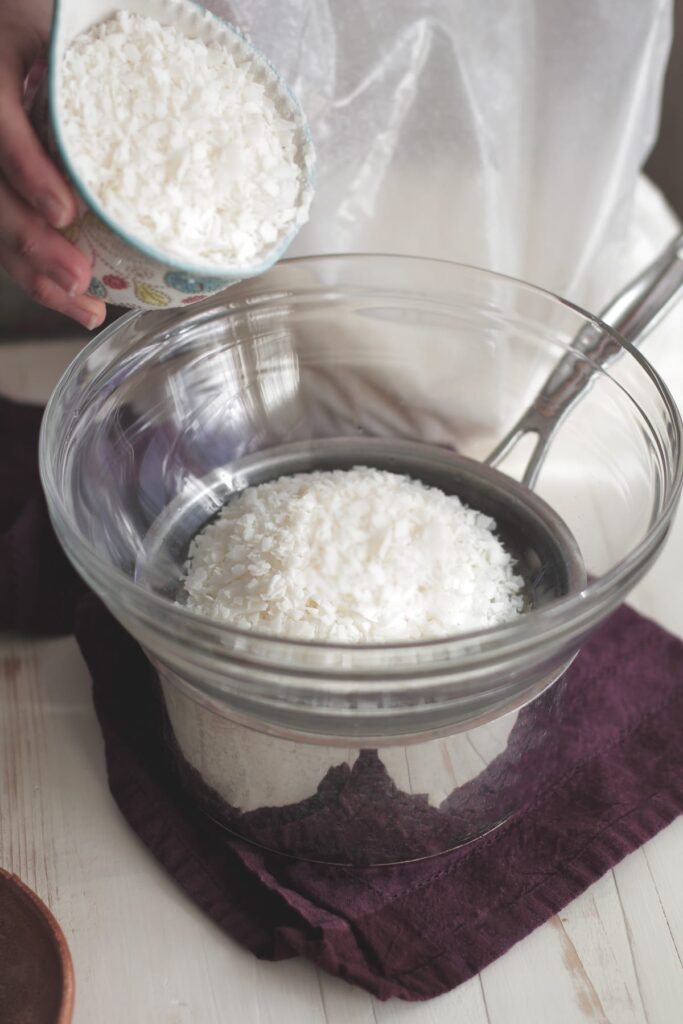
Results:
34 198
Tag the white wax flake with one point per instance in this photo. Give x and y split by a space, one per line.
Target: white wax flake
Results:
180 143
352 556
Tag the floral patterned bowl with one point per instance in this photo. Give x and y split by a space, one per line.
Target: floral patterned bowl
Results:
127 271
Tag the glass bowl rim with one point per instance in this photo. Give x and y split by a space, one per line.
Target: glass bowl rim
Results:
563 618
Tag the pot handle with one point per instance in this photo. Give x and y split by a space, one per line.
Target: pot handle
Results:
633 313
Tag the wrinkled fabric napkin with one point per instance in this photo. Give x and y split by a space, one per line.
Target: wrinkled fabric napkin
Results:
412 930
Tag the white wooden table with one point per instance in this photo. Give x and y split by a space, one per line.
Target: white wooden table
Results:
144 953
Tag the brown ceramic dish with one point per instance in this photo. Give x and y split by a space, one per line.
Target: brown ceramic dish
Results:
36 973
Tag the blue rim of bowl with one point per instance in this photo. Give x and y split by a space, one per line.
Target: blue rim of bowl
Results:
236 272
565 617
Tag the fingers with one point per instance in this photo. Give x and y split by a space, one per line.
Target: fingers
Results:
43 263
23 161
83 308
25 234
34 195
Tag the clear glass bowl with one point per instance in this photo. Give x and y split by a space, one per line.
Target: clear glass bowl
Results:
363 754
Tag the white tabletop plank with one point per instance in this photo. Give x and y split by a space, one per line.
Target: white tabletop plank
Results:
143 952
657 961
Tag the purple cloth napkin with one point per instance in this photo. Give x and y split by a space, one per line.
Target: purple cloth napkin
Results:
414 930
39 588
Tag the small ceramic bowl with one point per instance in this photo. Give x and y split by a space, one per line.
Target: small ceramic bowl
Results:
36 973
127 271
